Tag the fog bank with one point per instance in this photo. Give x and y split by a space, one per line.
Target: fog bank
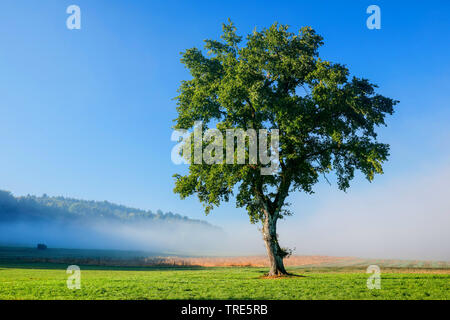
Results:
408 218
405 218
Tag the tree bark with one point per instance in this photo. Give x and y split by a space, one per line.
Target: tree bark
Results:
275 253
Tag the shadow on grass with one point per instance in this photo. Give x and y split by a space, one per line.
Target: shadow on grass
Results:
63 266
290 275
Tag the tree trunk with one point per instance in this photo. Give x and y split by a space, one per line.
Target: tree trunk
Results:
275 253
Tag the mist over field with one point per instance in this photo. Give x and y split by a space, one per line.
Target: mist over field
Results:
157 238
407 218
69 223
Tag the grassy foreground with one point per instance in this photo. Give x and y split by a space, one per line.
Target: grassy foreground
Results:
48 281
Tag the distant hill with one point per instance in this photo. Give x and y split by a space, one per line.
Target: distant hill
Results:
61 209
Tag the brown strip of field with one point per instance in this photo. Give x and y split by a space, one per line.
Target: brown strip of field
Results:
317 262
250 261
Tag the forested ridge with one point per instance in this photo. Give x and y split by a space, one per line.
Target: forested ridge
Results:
54 209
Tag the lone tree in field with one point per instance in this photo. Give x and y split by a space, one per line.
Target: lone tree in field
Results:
276 80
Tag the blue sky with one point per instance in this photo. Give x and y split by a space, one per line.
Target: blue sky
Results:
88 113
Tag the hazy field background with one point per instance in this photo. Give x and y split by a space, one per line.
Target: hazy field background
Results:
145 258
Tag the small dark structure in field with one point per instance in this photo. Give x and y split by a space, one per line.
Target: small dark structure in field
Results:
41 246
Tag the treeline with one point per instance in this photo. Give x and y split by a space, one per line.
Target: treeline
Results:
63 209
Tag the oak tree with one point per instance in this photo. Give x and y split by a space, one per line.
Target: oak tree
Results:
275 79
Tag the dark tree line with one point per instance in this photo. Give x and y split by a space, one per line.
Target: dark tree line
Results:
54 209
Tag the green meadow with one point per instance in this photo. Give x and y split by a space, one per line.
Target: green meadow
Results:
48 281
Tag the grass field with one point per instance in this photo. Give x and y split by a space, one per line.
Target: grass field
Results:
48 281
26 273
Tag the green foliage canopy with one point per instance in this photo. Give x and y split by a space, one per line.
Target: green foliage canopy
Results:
327 120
